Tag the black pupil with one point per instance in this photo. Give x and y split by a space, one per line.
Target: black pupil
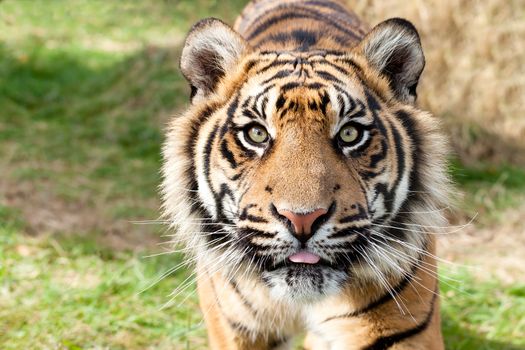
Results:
258 133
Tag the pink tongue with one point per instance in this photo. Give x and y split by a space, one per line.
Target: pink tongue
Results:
304 257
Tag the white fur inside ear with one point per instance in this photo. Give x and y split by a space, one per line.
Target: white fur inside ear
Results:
221 40
394 49
385 43
211 49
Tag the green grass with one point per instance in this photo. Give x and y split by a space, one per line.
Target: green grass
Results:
68 293
85 89
482 315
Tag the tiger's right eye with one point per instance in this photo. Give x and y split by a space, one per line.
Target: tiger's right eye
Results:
348 134
257 134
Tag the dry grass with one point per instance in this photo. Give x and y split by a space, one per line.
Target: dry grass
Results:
491 252
475 71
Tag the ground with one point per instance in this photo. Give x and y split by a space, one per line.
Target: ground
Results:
85 90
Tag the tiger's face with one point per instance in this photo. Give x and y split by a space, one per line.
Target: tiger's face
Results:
300 170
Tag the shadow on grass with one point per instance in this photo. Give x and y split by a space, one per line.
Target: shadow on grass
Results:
108 99
81 131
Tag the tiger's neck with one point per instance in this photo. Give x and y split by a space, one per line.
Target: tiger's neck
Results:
367 316
375 316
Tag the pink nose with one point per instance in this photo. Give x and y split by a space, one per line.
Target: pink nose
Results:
302 223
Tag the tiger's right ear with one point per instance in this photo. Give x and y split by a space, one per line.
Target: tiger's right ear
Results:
211 49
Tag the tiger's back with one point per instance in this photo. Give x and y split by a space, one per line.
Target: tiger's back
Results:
295 25
305 181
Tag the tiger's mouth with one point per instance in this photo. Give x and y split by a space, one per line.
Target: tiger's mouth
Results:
308 260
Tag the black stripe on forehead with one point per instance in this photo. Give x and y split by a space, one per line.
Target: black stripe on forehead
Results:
304 39
313 59
351 63
263 107
247 102
325 100
259 59
340 69
328 76
276 63
315 86
372 103
280 102
320 102
280 74
290 86
345 110
250 114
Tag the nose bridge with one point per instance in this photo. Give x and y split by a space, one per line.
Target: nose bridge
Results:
302 173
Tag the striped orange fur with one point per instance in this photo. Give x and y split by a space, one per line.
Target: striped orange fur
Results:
305 181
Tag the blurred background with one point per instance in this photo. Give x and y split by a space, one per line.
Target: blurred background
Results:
86 88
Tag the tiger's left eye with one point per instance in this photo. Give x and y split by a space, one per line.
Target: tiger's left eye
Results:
348 134
257 134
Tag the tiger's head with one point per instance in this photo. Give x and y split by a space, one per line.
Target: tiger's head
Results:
308 171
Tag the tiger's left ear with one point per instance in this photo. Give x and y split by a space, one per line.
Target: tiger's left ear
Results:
394 49
211 50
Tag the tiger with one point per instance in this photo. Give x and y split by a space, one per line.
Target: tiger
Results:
304 182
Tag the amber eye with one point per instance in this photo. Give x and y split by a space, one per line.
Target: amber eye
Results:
348 134
257 134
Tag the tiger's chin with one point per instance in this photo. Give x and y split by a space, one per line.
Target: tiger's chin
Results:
304 283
